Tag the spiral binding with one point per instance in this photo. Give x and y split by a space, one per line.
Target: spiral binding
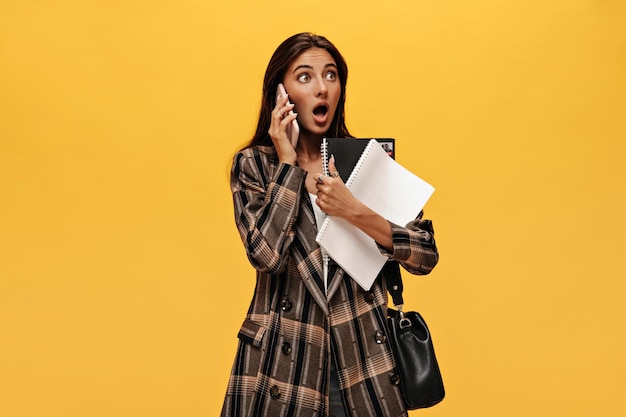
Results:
325 156
325 257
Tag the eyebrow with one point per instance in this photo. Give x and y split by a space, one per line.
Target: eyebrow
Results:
331 65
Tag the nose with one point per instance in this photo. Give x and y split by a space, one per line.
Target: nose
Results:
322 88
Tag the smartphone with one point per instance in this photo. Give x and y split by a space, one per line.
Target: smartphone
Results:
293 130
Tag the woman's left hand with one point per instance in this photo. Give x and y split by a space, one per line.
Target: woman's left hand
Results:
333 197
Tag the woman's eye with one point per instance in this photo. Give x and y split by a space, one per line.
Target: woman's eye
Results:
330 75
303 78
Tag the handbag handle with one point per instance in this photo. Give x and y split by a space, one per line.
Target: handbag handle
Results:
393 278
391 274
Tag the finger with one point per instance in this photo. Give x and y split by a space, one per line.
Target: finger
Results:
280 120
332 169
280 112
281 102
282 99
319 201
289 118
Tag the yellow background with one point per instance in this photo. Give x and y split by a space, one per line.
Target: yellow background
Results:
122 278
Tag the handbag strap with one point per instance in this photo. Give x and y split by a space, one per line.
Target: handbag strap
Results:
391 273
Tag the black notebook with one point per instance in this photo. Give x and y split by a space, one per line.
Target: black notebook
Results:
347 152
380 183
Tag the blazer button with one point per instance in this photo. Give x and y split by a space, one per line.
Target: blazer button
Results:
394 378
286 348
380 337
369 297
286 305
275 392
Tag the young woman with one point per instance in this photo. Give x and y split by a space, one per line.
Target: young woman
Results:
313 342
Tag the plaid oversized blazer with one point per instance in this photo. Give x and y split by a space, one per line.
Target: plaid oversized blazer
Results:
294 328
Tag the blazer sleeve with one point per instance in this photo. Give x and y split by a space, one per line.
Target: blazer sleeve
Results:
414 246
266 198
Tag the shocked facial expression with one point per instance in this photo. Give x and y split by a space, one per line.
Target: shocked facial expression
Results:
312 82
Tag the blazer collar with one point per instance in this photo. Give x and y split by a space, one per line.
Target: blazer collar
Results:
310 263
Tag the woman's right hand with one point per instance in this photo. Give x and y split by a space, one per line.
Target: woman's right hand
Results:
278 130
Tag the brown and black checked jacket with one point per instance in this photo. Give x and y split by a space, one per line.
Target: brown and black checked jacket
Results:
293 328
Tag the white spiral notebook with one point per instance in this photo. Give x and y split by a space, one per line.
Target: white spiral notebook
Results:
386 187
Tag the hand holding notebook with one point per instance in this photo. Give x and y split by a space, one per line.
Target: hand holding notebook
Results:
381 184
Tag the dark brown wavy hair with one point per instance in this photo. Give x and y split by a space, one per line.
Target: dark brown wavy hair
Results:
284 55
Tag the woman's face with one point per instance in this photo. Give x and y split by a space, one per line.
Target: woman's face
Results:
312 82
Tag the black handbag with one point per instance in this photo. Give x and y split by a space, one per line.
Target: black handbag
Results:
420 377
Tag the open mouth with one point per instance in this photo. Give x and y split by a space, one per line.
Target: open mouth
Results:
320 110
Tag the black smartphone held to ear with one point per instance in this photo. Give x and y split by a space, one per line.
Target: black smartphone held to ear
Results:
293 130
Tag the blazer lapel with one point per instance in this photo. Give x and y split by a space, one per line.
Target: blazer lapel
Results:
335 276
308 254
